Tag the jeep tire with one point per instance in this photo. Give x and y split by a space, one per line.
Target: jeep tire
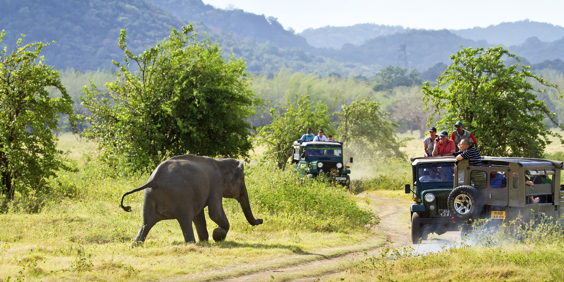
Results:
416 230
464 203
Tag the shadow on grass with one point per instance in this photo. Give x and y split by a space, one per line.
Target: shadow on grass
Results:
232 244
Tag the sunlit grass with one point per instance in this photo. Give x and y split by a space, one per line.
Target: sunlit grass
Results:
81 233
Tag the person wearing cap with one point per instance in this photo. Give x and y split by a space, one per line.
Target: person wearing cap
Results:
320 136
444 147
428 143
460 133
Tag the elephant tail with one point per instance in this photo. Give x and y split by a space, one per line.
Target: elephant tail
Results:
128 208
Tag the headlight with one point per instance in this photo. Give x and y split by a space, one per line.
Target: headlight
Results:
429 197
339 165
320 164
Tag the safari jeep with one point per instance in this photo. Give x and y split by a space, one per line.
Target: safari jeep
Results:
449 194
311 159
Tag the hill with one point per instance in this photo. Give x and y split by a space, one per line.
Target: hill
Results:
513 33
86 32
423 49
536 51
241 23
337 36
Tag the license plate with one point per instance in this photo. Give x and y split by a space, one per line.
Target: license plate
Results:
340 178
498 214
444 213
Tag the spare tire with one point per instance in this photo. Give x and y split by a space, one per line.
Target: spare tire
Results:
464 203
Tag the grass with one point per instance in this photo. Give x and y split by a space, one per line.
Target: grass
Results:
78 231
531 252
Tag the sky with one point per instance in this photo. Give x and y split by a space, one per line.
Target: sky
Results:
417 14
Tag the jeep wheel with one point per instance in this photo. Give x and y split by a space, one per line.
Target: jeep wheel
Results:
416 233
464 203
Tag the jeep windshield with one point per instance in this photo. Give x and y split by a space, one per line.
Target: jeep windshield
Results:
440 173
324 151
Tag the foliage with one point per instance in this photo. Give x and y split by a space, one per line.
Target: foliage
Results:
304 204
408 109
185 98
496 103
363 127
394 76
289 124
330 90
28 153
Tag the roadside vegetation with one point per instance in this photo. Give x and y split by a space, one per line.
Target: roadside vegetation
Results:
512 252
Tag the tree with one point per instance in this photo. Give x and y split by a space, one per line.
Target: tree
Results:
364 127
289 124
497 103
408 108
394 76
178 97
28 116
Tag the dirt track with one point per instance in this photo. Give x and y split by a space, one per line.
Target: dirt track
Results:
394 223
394 226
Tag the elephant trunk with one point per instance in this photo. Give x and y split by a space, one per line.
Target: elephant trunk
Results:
244 201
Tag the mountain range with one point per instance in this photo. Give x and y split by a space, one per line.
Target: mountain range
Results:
86 33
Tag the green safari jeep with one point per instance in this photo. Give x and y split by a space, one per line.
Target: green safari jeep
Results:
312 159
449 194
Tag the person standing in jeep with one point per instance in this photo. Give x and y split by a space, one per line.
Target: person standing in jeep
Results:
429 142
460 133
470 153
444 147
308 136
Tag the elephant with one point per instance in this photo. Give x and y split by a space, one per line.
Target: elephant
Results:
182 186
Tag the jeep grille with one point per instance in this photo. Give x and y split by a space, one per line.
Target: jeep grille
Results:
442 202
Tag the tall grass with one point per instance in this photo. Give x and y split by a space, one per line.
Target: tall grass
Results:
300 204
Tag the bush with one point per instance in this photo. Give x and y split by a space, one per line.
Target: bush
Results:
293 203
382 182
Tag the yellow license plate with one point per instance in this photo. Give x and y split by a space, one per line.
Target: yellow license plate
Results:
498 214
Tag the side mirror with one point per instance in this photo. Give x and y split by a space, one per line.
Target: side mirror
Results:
351 160
407 188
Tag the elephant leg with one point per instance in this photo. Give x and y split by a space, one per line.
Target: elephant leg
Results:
185 221
150 218
201 229
218 216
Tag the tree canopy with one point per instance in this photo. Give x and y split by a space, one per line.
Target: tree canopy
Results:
497 103
177 97
289 124
28 116
364 127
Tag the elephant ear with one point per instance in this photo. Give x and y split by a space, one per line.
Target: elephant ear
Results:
238 170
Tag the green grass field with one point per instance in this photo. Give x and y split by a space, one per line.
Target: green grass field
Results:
82 233
78 232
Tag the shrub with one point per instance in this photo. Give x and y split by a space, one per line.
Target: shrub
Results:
293 203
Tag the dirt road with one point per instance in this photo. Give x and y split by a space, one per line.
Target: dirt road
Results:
394 228
394 224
